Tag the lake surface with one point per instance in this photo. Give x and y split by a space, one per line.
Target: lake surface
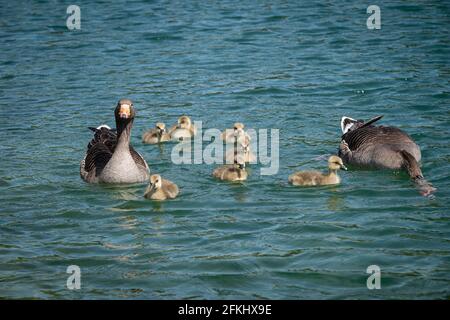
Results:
298 66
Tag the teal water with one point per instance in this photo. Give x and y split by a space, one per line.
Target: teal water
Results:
297 66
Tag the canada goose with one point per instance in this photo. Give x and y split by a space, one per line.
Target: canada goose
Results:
109 157
367 145
156 135
183 130
160 189
241 149
316 178
228 135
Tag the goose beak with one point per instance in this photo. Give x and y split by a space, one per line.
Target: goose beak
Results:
343 167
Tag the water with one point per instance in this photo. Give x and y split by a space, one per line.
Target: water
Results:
296 66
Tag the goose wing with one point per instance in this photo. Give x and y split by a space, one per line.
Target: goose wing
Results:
100 149
138 158
372 134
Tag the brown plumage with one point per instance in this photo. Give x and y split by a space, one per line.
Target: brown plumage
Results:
368 146
316 178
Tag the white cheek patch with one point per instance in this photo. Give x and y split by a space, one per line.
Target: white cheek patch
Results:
103 126
346 124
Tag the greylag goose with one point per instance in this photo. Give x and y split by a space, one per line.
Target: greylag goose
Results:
160 189
156 135
183 130
316 178
367 145
110 158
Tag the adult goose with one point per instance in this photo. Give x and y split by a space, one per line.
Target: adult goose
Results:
366 145
109 157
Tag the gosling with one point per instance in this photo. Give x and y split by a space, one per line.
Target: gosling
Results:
242 149
160 189
315 178
155 135
183 130
231 172
229 134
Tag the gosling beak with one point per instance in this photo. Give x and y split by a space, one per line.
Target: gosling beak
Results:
343 167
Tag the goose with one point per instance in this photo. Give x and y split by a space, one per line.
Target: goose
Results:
156 135
110 158
228 135
368 146
316 178
242 149
183 130
161 189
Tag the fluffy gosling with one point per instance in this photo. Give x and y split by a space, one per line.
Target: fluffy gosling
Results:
155 135
231 172
161 189
184 129
315 178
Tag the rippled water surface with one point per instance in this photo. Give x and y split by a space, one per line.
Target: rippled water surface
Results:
294 65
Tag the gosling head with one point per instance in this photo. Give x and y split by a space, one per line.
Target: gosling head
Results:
336 163
155 181
238 128
184 122
124 110
161 127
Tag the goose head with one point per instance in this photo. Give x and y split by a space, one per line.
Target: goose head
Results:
184 122
350 124
155 181
124 111
161 127
336 163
